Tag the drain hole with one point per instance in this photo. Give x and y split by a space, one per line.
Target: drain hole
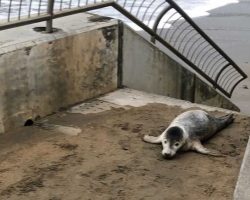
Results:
29 122
42 29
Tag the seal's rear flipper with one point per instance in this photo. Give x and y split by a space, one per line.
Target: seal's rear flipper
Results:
228 119
224 121
197 146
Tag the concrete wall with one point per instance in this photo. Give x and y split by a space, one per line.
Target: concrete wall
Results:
147 68
42 78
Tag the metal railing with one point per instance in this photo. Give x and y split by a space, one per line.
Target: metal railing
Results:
164 20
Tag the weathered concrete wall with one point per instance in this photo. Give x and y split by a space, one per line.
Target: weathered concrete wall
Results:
208 96
147 68
39 79
40 76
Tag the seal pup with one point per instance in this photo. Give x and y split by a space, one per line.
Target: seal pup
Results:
188 130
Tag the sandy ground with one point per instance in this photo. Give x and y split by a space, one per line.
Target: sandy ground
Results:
108 159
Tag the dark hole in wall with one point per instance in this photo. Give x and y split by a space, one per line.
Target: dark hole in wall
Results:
28 122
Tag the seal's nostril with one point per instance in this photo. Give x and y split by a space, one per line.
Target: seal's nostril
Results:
166 155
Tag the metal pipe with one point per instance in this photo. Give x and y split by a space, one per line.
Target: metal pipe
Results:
220 72
49 23
158 19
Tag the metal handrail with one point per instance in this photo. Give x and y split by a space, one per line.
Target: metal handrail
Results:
203 55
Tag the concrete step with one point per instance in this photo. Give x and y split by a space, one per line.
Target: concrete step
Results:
136 98
242 190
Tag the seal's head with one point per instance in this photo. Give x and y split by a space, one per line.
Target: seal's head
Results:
172 142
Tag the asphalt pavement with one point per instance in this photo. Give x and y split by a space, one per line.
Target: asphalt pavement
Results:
229 27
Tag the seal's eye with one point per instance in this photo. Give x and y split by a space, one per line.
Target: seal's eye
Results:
176 144
165 141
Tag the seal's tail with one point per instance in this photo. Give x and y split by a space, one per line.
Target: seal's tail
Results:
225 120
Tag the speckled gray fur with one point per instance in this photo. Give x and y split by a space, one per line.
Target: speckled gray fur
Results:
187 131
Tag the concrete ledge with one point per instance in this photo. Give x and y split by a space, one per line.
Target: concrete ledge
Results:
25 36
136 98
242 190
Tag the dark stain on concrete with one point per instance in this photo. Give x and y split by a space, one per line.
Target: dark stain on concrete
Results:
97 18
109 33
27 50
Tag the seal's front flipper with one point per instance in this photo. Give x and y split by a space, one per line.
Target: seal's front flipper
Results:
197 146
152 139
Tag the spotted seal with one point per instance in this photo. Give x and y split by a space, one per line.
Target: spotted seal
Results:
188 130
